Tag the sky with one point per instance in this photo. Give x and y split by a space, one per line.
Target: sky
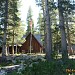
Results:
24 9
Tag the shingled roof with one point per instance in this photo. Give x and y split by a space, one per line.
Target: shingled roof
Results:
37 36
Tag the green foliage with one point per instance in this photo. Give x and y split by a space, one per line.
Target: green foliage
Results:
46 68
9 63
13 73
13 22
29 19
41 26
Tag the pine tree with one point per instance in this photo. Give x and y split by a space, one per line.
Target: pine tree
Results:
62 30
9 22
29 21
48 33
40 24
14 23
65 9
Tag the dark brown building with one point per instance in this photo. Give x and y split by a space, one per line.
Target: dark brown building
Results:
32 44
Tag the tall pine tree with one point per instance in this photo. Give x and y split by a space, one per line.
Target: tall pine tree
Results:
30 21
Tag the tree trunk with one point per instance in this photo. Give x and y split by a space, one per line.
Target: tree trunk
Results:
68 35
48 33
62 30
16 49
43 8
8 49
4 49
13 43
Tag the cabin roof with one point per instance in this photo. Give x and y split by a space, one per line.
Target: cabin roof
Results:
37 37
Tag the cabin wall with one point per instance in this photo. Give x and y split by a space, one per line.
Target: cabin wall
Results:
36 47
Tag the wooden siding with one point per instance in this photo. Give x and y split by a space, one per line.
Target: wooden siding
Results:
36 46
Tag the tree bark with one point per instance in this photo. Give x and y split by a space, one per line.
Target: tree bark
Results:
62 30
68 35
16 49
13 43
48 33
43 8
4 49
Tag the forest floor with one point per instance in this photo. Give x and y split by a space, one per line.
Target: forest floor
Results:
18 61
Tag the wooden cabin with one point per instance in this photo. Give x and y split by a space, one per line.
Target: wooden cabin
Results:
33 43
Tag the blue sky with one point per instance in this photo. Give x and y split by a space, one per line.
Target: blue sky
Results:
24 9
